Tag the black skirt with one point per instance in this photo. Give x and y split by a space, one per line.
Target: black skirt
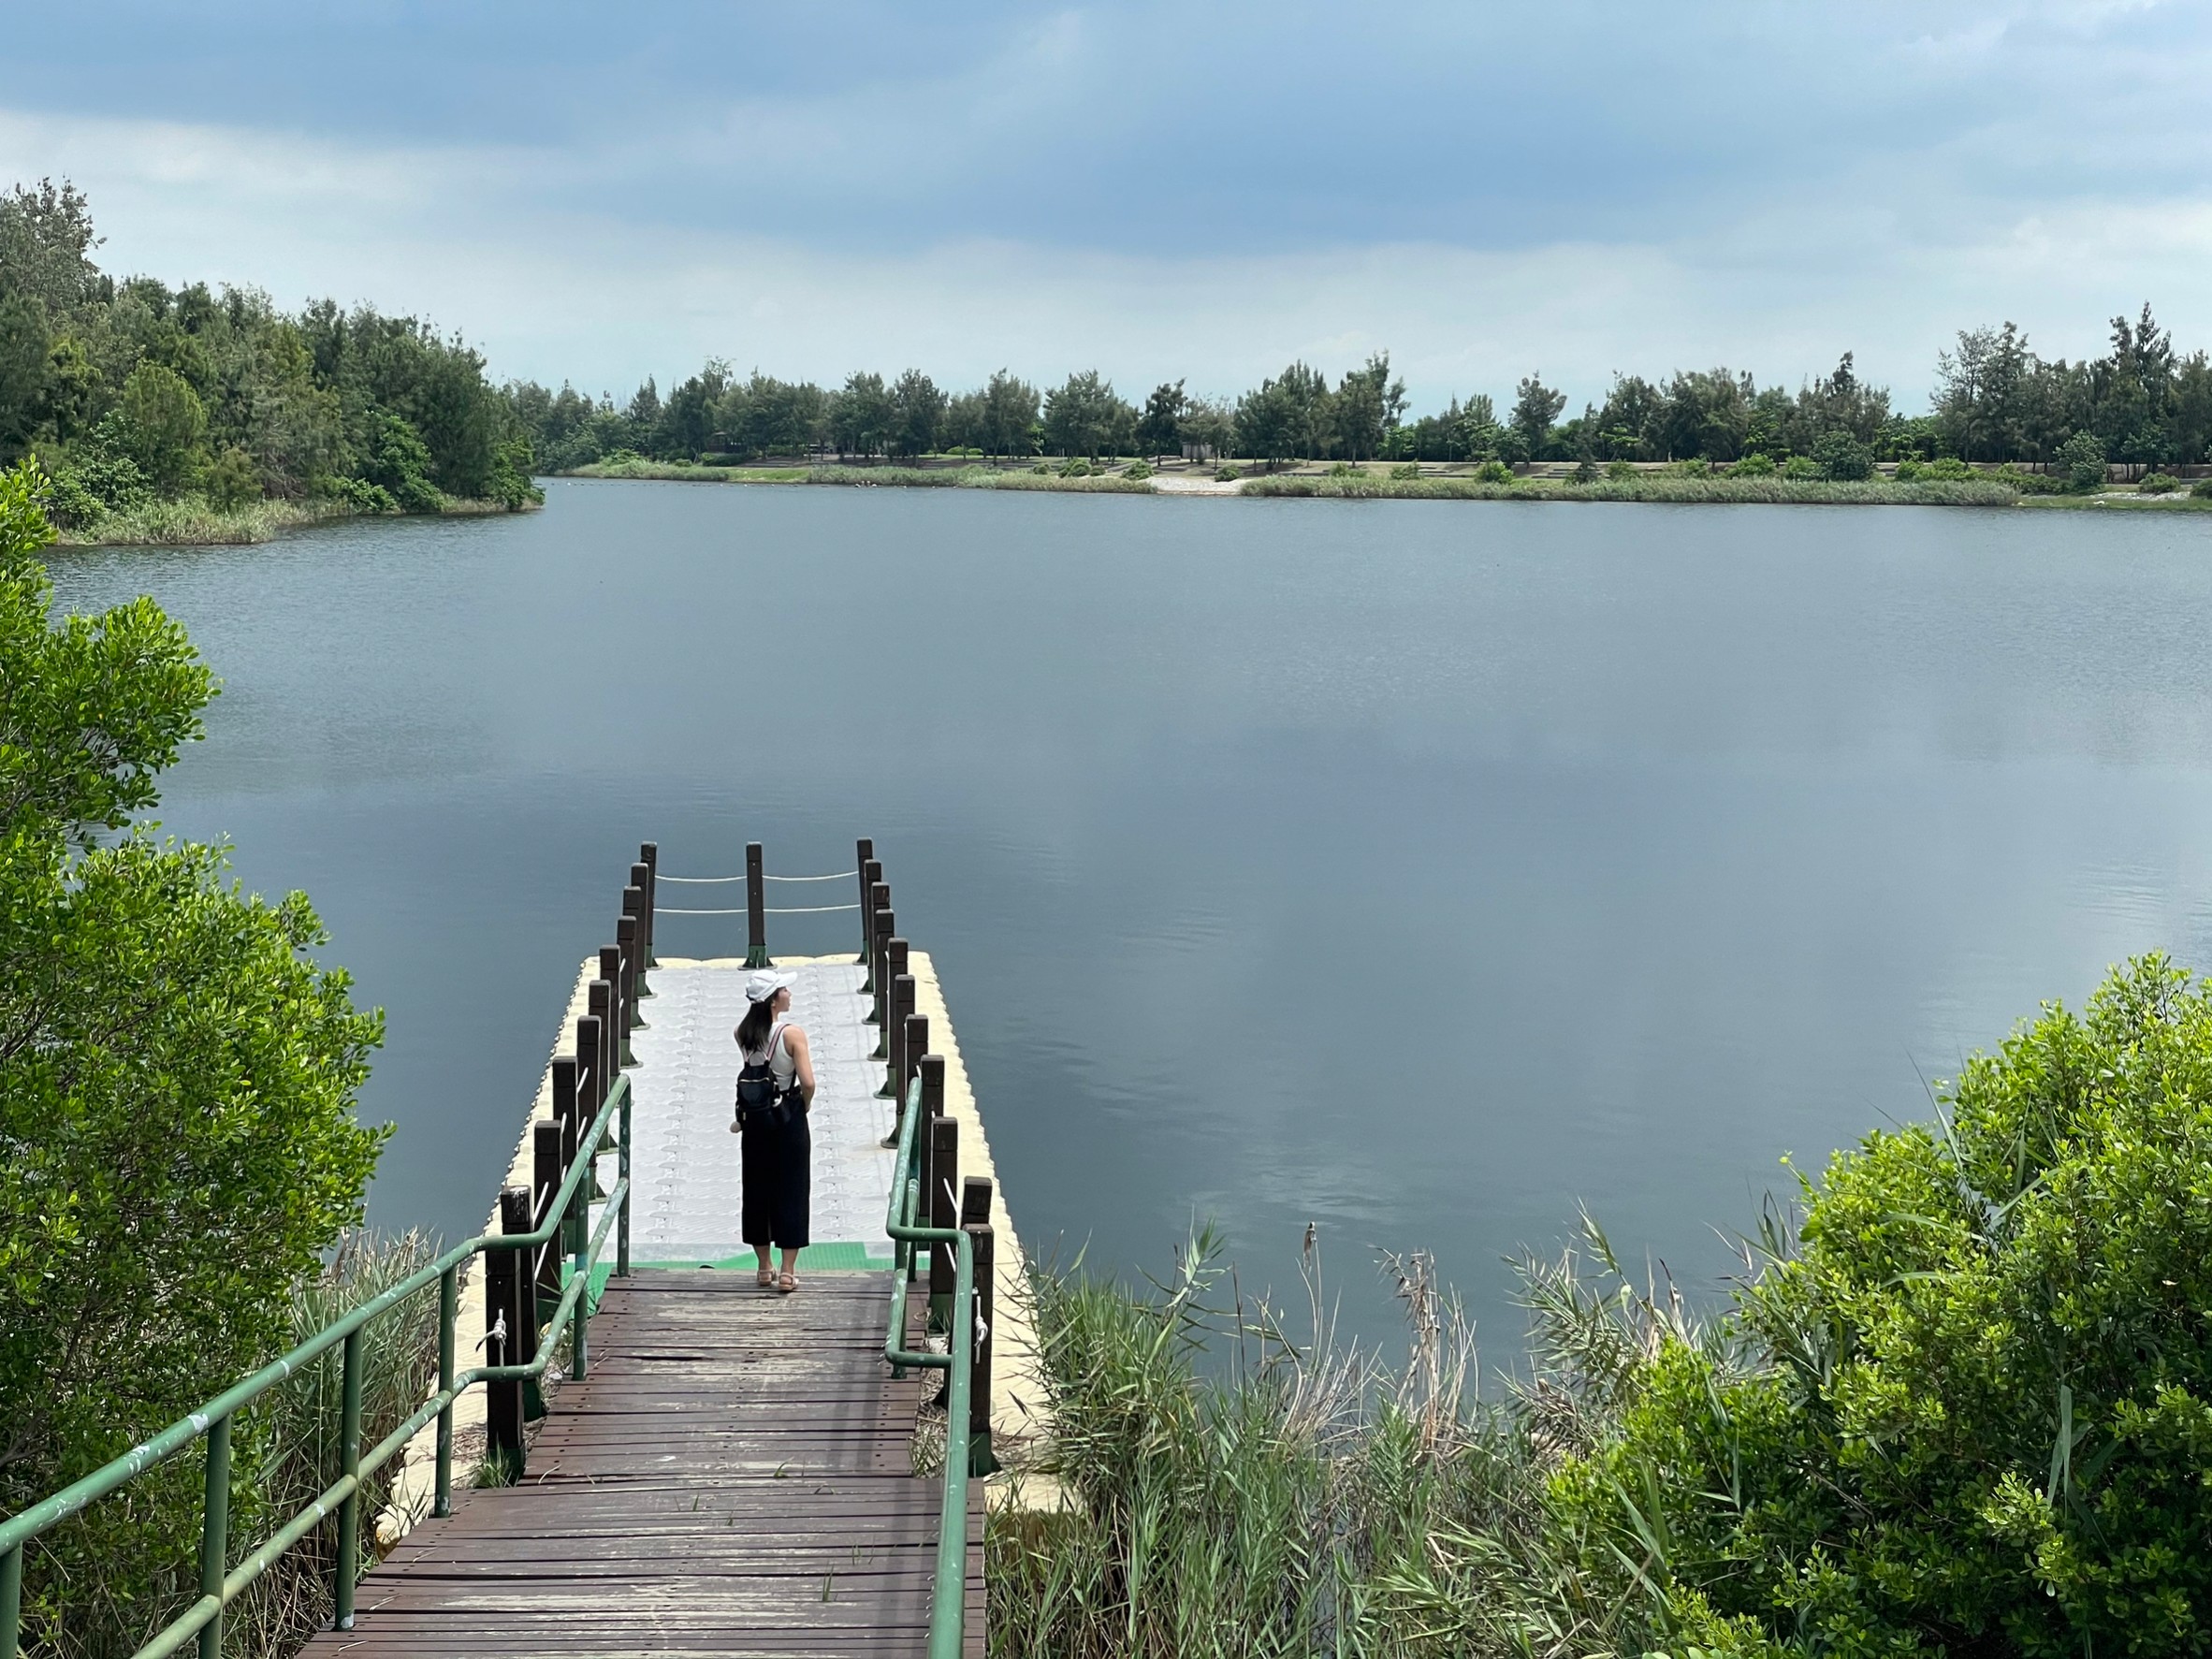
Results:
773 1170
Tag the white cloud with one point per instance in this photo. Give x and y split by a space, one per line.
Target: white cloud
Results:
465 235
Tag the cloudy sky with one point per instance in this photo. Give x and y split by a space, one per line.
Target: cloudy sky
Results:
596 193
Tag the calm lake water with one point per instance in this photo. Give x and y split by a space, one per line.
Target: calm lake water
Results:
1423 870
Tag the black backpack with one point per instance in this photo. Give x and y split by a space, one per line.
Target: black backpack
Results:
758 1100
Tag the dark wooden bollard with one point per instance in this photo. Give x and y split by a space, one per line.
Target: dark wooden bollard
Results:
864 857
640 878
756 909
913 1042
502 1398
883 925
940 1195
546 1174
629 940
975 1220
570 1117
603 999
649 860
591 1070
895 969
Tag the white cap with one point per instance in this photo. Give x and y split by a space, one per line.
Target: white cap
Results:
761 986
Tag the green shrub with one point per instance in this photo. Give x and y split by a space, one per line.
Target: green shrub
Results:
2081 462
1347 470
1074 467
1802 469
2025 482
1226 475
1620 469
1137 470
1494 472
1843 458
2202 489
231 481
1696 467
363 496
1405 472
1971 1412
2158 483
1754 465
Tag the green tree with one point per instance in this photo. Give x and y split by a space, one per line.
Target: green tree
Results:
1086 417
861 419
25 358
917 410
1536 406
1160 428
1267 423
163 426
394 457
1368 406
1209 425
177 1084
2081 459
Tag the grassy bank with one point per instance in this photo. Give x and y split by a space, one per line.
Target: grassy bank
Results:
1650 487
883 477
193 523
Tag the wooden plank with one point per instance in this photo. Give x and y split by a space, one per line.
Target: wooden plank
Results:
734 1476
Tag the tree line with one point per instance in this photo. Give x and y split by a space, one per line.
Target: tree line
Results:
1995 400
130 392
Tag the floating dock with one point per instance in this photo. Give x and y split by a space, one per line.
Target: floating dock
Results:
738 1470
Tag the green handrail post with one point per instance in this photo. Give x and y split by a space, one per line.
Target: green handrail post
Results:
12 1602
622 1170
581 1270
448 1309
349 1469
214 1536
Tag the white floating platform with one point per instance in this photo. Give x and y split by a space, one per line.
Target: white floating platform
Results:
684 1161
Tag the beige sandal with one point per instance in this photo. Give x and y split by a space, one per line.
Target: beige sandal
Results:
787 1283
765 1279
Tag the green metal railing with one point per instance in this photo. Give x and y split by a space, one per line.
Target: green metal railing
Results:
947 1601
219 1587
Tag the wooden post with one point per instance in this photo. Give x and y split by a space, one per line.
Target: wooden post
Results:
546 1173
648 854
895 964
940 1201
628 928
914 1045
590 1074
640 878
756 909
865 856
502 1397
617 1019
564 1107
881 920
975 1220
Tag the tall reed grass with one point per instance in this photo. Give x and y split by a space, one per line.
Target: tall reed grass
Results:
193 523
1873 493
1232 1492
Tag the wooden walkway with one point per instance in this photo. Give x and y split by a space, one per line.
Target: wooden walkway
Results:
734 1477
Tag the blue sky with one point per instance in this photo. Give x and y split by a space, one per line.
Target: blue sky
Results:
597 193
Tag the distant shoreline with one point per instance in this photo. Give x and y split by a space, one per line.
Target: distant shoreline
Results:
1374 483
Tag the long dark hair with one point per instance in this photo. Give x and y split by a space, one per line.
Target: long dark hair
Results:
760 1019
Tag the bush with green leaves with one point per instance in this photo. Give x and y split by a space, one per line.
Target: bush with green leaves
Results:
1137 470
1405 472
1227 475
177 1108
1971 1410
2157 484
231 480
2081 462
1843 458
1802 469
1494 472
2201 489
1754 465
1696 467
1620 469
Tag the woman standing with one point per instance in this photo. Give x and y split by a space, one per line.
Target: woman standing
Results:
775 1089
